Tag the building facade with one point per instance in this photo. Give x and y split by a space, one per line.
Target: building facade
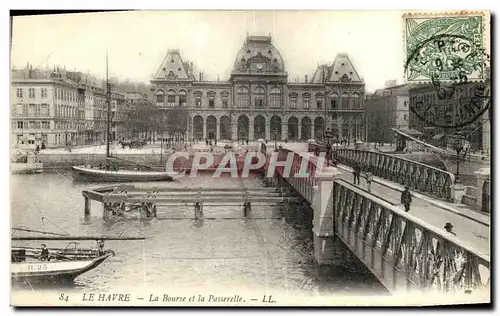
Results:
258 101
47 111
386 109
60 109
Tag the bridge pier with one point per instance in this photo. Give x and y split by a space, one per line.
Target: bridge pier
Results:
86 211
323 221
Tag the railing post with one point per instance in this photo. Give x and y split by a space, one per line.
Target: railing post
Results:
323 221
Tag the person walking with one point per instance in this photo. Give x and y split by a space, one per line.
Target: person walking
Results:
369 178
356 173
406 198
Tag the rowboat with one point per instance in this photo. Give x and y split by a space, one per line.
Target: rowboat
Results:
47 265
54 270
84 173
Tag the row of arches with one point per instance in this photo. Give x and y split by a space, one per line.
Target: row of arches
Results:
303 130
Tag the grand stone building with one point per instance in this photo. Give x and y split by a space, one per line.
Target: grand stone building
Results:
258 101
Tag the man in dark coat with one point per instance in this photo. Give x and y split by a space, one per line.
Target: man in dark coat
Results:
45 253
406 198
356 172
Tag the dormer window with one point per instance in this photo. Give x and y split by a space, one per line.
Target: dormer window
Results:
172 61
178 69
164 69
342 64
336 72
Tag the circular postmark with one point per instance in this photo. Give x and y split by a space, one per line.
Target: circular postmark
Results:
451 100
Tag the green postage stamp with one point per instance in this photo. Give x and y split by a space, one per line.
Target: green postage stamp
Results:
446 47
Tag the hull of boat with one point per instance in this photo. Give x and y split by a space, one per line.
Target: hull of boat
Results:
26 168
60 271
97 175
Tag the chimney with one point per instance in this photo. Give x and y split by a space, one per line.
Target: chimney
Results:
306 78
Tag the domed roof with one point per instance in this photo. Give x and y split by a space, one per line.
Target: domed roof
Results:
258 55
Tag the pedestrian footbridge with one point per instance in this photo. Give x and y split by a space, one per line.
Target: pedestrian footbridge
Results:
405 251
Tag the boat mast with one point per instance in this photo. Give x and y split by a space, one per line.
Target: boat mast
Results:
108 103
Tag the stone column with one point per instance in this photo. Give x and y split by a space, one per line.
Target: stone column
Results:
204 129
234 129
299 130
482 175
250 128
217 130
323 221
284 130
269 137
312 130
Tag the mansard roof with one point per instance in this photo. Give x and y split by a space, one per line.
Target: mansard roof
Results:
343 69
321 74
174 68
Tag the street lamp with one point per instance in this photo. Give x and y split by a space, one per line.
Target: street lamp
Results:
459 145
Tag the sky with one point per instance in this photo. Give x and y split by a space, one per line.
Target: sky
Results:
137 42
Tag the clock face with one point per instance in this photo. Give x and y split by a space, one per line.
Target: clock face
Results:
259 66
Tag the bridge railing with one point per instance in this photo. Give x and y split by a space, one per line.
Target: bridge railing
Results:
304 184
419 177
404 252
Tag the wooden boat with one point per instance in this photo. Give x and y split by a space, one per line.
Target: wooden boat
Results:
106 174
54 270
35 265
84 173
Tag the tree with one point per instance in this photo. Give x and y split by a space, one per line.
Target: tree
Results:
142 118
176 121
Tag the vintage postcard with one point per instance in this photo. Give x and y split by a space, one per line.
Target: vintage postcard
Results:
250 158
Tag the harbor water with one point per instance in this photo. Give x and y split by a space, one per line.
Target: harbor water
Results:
271 252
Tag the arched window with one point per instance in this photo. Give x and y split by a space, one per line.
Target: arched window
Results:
259 96
182 98
211 99
275 97
319 100
333 102
242 97
345 100
225 97
160 98
306 98
197 99
171 97
356 100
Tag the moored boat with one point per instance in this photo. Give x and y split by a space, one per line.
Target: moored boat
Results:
54 270
33 265
84 173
